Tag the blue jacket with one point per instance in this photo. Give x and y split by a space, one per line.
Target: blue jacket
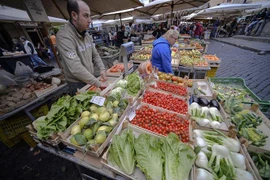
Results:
161 55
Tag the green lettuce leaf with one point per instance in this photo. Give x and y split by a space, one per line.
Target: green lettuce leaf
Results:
122 153
149 156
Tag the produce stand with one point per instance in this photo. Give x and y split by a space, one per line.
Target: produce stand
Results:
130 119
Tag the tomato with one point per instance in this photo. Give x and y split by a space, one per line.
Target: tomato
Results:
173 88
161 122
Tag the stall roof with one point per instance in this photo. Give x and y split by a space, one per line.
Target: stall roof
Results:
227 9
165 6
264 4
57 8
12 14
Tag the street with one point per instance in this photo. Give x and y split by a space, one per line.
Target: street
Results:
237 62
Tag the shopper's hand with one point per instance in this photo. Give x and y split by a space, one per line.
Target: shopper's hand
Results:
103 75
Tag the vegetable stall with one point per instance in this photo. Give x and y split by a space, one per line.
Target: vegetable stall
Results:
153 125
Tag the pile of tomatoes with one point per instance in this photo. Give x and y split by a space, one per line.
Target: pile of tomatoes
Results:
162 122
173 88
166 101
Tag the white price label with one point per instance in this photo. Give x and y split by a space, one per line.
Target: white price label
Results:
131 114
98 100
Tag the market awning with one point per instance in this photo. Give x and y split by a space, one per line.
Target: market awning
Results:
264 4
165 6
57 8
227 9
12 14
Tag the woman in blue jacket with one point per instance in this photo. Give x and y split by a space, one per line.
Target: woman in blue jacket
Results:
161 53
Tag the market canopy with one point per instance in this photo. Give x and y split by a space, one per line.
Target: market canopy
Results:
165 6
264 4
227 9
58 8
12 14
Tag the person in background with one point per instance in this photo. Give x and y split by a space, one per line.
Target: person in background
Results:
233 26
161 53
132 34
214 30
77 50
111 42
53 38
17 46
158 32
198 32
120 36
191 30
262 23
261 15
30 49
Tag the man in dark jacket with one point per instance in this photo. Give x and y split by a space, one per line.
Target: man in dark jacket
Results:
158 32
120 36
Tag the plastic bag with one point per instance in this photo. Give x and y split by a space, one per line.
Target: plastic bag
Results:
6 78
22 70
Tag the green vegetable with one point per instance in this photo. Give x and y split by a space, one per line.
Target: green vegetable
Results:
122 153
100 137
256 136
149 156
134 84
221 162
261 161
178 157
246 119
121 83
215 114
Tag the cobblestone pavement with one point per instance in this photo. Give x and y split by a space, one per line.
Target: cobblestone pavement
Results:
249 65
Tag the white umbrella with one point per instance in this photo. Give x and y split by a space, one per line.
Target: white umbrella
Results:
12 14
226 9
264 4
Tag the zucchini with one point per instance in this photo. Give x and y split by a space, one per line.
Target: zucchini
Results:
214 103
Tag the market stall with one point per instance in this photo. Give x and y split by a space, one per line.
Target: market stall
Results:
166 110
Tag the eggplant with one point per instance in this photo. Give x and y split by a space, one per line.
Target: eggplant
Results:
194 98
203 102
214 103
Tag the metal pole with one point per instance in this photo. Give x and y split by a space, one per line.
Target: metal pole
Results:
120 19
172 5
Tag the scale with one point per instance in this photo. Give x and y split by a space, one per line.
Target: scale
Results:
125 50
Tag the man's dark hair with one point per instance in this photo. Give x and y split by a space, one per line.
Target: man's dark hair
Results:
72 5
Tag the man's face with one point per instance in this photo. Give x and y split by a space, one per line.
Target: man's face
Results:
172 40
22 40
83 19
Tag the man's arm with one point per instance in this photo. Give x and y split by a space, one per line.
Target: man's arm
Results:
67 49
166 58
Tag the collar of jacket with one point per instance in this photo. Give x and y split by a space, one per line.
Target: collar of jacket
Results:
80 34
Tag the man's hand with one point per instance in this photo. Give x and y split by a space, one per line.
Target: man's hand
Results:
103 75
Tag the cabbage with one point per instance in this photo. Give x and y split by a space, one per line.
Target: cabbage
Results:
121 83
117 92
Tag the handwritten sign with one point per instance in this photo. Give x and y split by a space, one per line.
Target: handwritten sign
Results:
98 100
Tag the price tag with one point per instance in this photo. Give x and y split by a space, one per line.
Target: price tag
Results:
131 114
98 100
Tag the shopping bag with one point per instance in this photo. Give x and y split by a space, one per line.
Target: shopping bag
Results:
22 69
6 78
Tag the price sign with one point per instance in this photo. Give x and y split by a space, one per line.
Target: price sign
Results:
98 100
131 114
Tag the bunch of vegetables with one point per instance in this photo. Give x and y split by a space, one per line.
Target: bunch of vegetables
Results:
218 157
166 101
173 88
246 118
256 136
204 116
62 114
158 158
96 124
134 84
262 161
162 122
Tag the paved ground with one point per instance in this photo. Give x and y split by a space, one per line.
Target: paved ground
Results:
19 163
237 62
247 42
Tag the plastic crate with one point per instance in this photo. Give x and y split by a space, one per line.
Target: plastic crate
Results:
15 125
212 72
240 83
28 139
12 141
